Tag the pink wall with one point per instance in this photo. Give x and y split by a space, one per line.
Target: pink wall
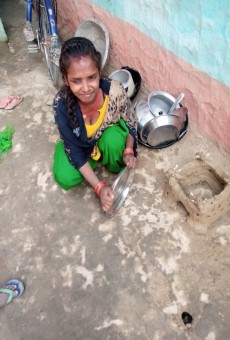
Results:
208 100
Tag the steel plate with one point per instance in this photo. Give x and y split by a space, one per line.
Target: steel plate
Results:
121 187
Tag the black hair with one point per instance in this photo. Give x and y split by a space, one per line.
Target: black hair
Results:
78 47
72 48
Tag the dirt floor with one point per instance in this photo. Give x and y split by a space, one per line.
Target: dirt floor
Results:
88 276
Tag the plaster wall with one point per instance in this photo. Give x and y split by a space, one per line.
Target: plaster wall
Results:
174 47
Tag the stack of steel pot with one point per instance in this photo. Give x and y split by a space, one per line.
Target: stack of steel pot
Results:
162 120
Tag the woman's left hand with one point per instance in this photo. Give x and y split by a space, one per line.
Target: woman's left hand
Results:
130 161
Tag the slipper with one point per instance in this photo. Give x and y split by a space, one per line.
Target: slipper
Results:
14 288
4 101
14 102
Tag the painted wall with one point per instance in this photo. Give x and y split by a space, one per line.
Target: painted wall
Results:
177 45
196 31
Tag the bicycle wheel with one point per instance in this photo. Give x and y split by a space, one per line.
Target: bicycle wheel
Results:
50 45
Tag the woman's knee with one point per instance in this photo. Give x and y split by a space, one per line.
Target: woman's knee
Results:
65 181
64 173
116 142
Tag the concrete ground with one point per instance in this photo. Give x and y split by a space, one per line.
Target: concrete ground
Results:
88 276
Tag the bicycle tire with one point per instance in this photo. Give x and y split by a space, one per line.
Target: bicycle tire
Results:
48 42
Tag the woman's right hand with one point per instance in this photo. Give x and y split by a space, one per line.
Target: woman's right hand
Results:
106 198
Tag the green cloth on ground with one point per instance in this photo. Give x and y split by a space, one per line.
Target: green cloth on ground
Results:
111 144
6 137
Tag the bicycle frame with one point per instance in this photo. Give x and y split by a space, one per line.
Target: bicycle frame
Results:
44 33
50 13
29 11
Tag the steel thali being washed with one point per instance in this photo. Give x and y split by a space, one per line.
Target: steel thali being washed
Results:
121 187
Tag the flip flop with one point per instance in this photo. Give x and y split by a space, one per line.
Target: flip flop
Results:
14 102
14 288
4 101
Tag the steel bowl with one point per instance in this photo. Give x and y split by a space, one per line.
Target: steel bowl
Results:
95 30
160 102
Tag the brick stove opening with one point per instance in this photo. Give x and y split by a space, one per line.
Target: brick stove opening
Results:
203 190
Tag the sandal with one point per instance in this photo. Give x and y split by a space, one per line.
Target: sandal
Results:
4 101
14 102
14 288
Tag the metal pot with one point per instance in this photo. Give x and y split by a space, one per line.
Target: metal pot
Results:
124 77
136 78
143 113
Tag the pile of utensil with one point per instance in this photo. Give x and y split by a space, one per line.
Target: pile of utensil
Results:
162 120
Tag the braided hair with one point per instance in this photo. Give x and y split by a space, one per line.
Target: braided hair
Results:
73 48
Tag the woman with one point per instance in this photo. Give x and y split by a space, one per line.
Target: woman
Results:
95 121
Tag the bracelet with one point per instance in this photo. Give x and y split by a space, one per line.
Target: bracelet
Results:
98 187
128 151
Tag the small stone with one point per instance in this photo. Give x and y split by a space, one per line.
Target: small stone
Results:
11 49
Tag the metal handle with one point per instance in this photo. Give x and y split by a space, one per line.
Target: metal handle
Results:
177 101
